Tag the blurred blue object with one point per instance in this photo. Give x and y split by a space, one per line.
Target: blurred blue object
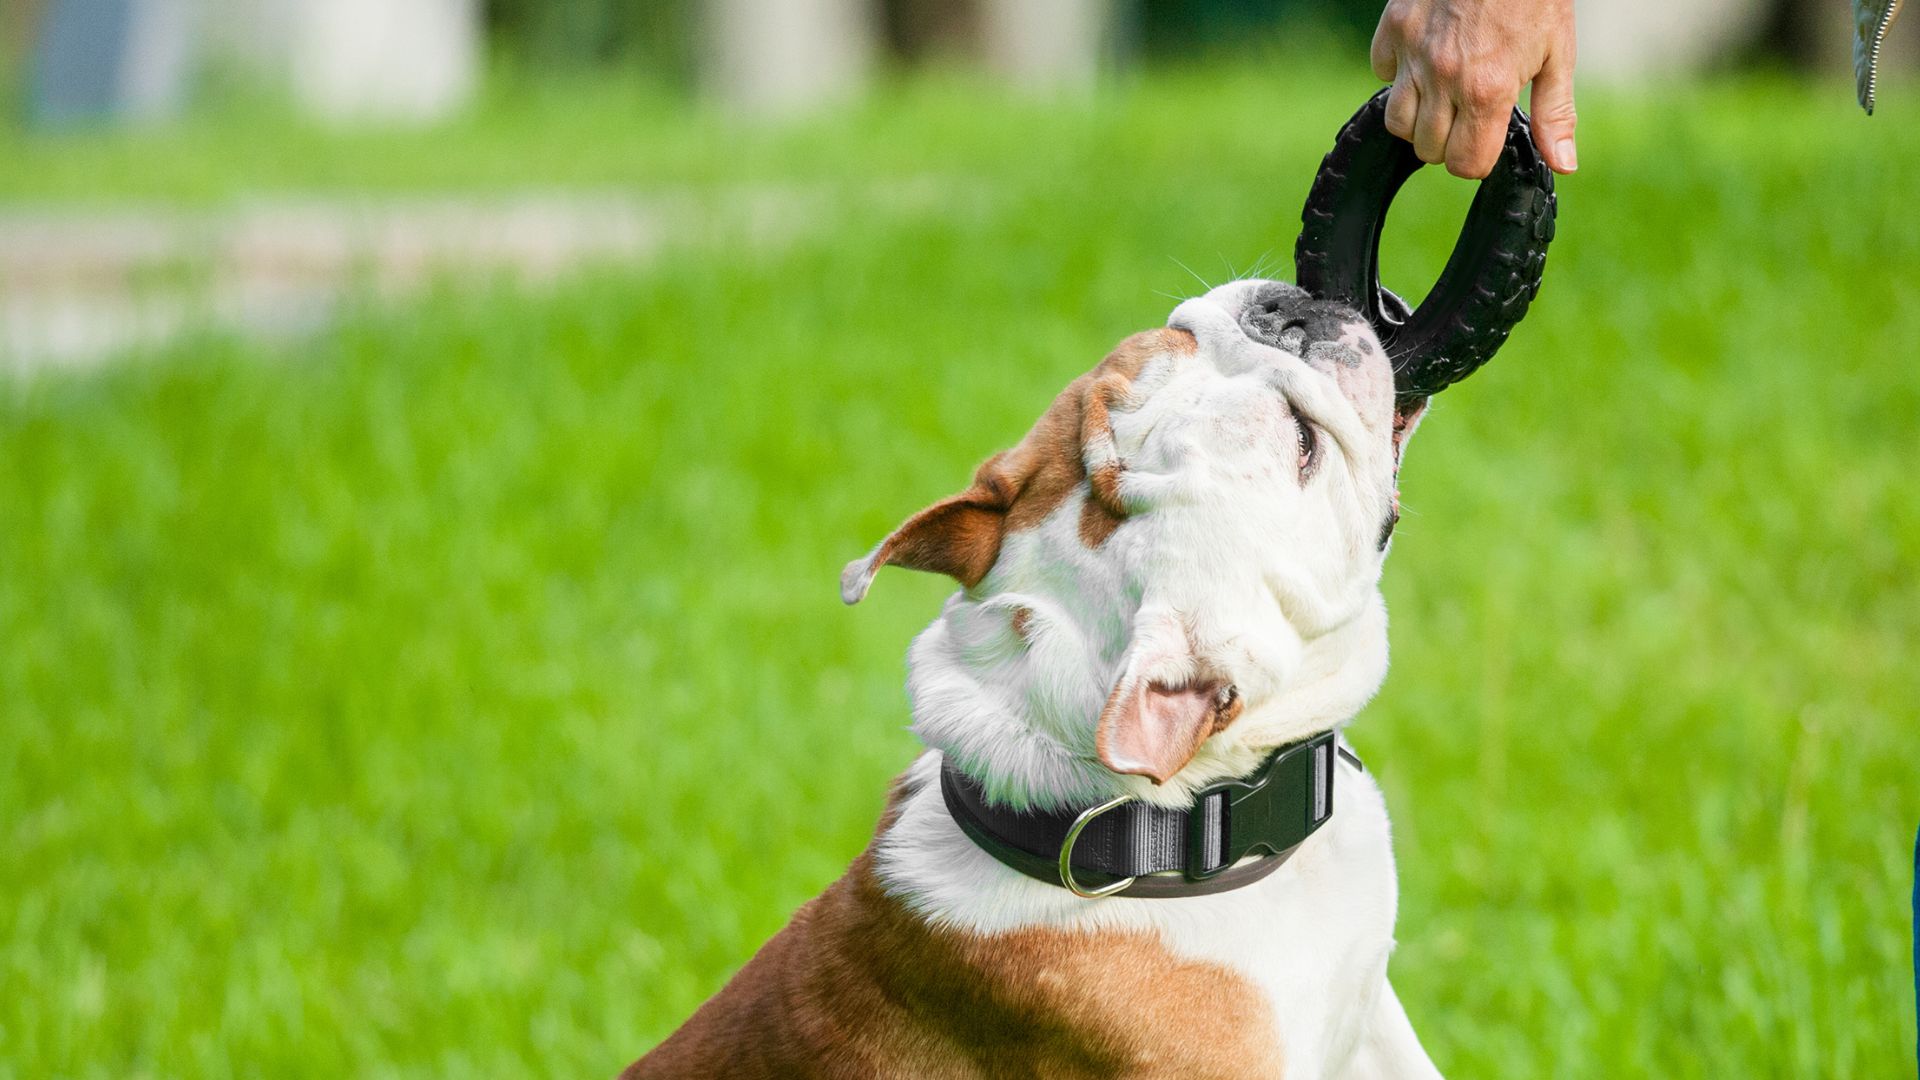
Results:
109 59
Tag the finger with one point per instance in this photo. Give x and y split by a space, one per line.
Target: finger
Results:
1432 126
1403 106
1479 134
1385 53
1553 116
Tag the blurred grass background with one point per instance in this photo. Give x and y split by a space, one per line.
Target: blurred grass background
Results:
463 691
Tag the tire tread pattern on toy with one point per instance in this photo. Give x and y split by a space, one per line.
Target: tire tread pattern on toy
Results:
1492 276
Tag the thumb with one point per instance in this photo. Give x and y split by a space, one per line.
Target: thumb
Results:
1553 116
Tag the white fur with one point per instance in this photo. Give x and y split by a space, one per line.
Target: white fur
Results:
1230 564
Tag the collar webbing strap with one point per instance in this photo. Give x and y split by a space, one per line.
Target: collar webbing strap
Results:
1184 851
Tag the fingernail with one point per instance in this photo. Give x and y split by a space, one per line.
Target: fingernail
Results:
1569 160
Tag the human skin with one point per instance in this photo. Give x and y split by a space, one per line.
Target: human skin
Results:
1457 68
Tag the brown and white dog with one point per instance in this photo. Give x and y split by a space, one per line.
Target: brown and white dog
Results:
1173 574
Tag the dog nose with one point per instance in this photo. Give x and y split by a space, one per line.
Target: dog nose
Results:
1273 296
1288 318
1274 315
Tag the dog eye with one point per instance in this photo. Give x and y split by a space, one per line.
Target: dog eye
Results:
1309 445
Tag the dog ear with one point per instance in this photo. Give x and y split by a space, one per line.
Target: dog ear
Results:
1150 729
1162 708
1073 441
959 536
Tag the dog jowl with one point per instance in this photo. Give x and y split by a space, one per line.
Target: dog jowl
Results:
1172 578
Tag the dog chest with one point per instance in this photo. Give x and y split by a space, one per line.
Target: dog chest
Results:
1309 944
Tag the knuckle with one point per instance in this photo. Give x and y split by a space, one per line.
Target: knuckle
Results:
1485 91
1400 114
1446 65
1467 169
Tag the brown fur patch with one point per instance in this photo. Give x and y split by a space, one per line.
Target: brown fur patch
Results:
1049 459
857 986
1097 523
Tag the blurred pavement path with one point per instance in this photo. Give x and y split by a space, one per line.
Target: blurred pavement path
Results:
78 287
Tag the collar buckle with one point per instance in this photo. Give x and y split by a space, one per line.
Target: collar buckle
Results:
1131 848
1232 819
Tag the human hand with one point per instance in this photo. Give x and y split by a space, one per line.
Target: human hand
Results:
1457 67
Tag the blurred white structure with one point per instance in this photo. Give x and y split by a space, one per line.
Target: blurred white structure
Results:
384 59
783 56
396 60
1047 44
1623 40
780 56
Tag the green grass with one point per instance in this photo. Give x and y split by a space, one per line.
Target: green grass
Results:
465 692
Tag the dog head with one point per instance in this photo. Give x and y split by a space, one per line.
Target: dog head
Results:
1177 569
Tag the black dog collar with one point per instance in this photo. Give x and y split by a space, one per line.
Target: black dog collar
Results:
1127 848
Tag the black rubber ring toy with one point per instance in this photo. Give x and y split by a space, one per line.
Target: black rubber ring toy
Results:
1493 274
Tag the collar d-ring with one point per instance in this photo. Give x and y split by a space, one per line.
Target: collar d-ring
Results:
1066 851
